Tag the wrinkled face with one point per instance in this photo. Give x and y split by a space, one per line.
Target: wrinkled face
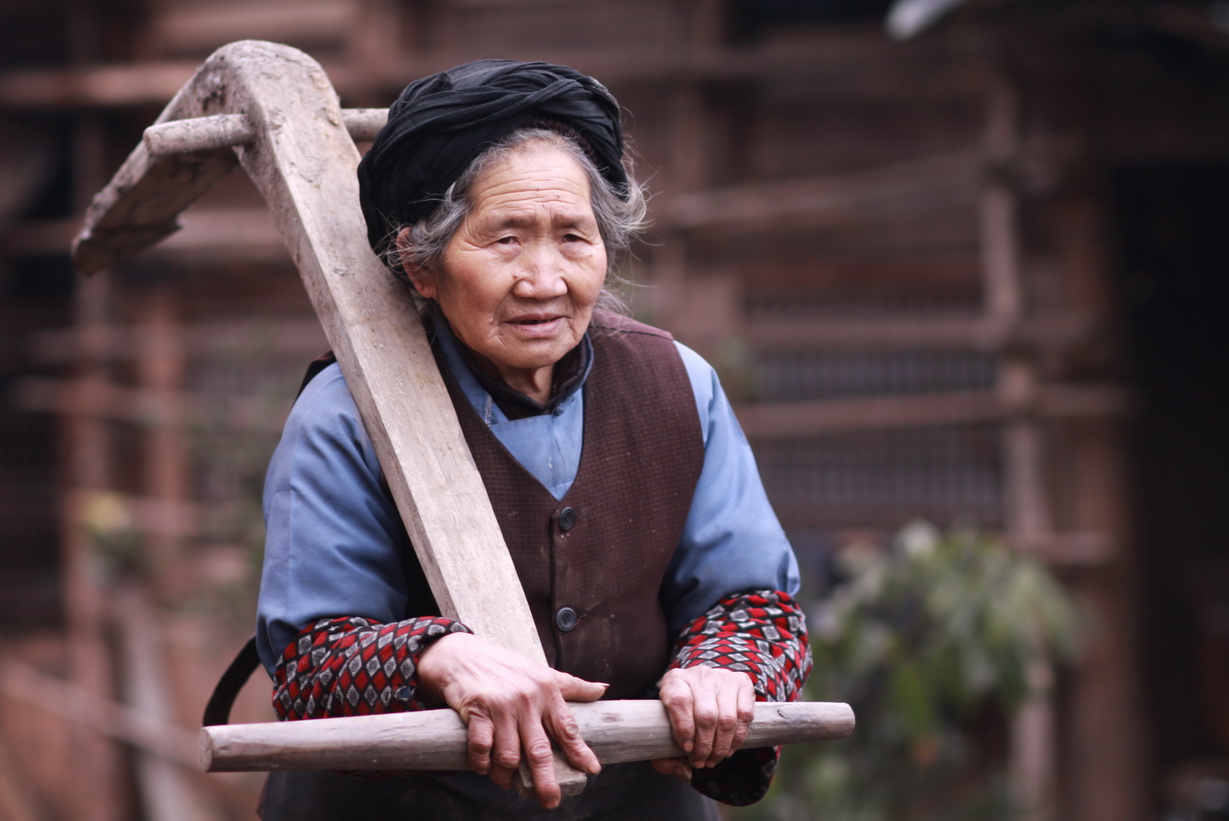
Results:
520 277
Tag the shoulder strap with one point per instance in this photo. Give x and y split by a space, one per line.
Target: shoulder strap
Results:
315 367
217 711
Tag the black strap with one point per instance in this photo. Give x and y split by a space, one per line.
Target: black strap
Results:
217 711
314 367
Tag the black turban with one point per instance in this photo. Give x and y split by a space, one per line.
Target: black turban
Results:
441 123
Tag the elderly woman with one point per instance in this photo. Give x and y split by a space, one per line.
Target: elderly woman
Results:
625 490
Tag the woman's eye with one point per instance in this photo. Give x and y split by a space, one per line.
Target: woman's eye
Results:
506 240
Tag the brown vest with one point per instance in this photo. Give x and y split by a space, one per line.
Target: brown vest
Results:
591 564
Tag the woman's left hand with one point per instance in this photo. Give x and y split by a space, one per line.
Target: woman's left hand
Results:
710 712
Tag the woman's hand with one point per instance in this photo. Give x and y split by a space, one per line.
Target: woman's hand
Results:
510 704
710 712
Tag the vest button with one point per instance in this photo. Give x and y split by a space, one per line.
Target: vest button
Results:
567 519
566 619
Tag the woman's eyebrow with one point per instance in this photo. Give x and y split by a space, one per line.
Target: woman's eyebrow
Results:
526 218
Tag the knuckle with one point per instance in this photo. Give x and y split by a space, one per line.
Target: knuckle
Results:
705 719
538 751
568 731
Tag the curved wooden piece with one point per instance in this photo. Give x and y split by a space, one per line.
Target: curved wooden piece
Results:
298 152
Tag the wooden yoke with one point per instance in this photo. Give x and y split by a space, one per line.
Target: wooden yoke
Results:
271 109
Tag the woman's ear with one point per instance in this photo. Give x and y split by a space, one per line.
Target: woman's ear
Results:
422 279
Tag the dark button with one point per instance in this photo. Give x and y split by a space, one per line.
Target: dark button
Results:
404 693
566 619
567 518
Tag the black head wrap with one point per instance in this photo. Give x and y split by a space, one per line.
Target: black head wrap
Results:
441 123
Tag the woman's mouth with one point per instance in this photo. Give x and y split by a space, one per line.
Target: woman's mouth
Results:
537 325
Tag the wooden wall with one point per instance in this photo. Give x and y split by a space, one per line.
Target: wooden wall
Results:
899 256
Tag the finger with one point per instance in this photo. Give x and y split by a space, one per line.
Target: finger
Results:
562 726
705 715
505 750
481 736
577 689
540 758
726 710
746 714
676 767
676 697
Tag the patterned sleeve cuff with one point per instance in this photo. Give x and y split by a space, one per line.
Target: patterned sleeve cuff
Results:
762 634
354 666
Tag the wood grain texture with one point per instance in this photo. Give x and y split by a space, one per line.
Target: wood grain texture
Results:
616 731
302 159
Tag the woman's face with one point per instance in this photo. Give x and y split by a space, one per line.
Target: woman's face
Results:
519 279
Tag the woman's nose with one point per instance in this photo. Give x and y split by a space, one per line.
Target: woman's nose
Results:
541 276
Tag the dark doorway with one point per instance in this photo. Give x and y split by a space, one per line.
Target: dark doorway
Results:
1172 255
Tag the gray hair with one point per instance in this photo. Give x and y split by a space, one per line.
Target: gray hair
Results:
619 220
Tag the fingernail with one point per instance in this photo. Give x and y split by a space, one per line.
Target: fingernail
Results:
683 773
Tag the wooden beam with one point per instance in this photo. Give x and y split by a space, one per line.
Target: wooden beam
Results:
165 791
882 67
800 419
974 332
302 159
917 184
616 731
102 400
293 337
81 705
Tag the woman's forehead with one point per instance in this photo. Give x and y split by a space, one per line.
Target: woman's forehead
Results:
532 178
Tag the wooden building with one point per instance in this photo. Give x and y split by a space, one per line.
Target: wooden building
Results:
972 274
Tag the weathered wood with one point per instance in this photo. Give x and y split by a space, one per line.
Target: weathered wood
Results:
163 787
914 185
616 731
85 708
801 419
302 160
1054 333
197 134
228 130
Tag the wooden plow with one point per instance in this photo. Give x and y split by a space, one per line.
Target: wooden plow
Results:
272 110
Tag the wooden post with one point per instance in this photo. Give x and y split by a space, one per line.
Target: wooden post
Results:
1028 513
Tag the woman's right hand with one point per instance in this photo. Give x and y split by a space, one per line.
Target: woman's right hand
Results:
510 704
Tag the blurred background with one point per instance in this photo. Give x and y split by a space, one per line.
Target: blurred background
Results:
960 262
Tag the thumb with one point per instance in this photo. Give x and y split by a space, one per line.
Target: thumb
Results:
577 689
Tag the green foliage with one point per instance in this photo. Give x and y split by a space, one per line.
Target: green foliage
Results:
925 640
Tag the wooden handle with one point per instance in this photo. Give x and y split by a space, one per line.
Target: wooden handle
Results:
616 731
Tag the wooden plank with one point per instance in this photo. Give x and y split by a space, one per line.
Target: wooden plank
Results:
164 788
83 706
979 333
292 336
90 664
96 399
799 419
18 800
916 184
302 160
616 731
